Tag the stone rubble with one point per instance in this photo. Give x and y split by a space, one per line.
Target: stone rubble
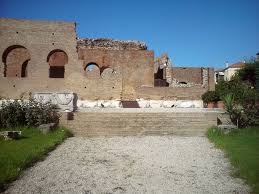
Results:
110 44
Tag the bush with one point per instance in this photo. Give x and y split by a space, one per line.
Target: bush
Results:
31 113
12 114
248 73
241 101
210 96
242 113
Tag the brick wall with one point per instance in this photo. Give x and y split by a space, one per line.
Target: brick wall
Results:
187 74
133 68
45 43
14 61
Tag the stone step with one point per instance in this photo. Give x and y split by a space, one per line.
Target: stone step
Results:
100 123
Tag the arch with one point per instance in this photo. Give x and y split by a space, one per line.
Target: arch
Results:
92 70
24 69
107 72
14 58
57 60
54 54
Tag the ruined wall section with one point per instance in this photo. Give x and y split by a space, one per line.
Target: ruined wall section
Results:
39 38
110 44
187 74
131 69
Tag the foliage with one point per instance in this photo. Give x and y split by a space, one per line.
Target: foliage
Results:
37 113
20 154
210 96
238 88
27 113
236 111
248 73
12 114
241 148
244 107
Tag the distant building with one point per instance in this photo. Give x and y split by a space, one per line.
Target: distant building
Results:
230 70
219 75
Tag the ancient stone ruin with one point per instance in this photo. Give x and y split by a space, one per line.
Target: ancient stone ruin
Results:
91 80
46 58
110 44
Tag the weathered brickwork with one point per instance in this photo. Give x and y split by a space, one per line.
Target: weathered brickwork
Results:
15 60
131 69
187 74
44 56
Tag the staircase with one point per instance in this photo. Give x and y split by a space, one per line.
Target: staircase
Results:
138 122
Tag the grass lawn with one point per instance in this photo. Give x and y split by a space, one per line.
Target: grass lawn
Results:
16 155
242 148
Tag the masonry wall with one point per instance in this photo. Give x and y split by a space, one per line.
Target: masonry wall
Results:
130 75
171 93
133 68
40 38
187 74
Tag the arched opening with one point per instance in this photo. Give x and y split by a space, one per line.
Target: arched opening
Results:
107 72
160 77
160 73
57 60
15 59
24 69
92 70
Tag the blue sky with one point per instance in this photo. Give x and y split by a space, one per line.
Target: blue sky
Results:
192 32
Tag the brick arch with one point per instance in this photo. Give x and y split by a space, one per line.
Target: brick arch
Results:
15 59
92 70
57 59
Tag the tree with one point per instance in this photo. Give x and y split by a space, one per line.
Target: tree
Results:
248 73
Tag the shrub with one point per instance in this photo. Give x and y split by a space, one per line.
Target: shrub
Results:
12 114
37 113
31 113
210 96
248 73
241 114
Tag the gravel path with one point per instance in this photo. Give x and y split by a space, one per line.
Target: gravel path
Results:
149 164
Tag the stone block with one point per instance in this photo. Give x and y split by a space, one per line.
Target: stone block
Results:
64 100
46 128
8 135
226 129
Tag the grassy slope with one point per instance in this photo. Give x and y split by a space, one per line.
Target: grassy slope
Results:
18 154
242 148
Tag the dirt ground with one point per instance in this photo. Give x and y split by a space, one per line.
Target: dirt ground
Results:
151 164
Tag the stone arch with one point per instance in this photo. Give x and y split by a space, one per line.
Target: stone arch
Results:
92 70
57 59
107 72
15 59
